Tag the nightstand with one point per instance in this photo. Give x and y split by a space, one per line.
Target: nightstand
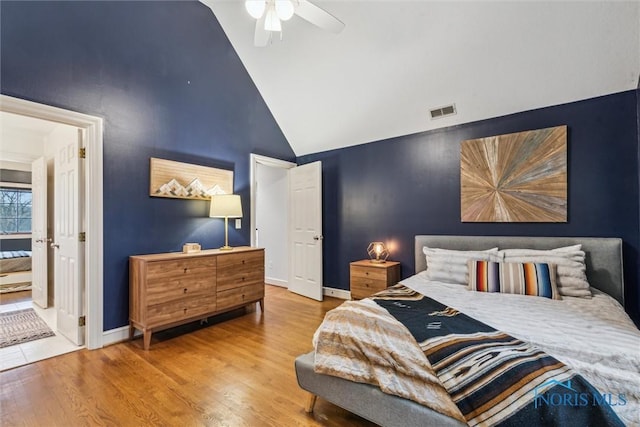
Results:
368 278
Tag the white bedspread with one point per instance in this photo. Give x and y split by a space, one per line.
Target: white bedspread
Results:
593 336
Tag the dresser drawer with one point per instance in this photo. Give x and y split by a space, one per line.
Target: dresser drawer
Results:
176 311
188 268
241 269
174 289
239 296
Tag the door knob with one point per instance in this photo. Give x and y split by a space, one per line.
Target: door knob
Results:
318 237
55 246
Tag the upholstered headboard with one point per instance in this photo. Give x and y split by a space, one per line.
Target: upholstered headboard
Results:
603 254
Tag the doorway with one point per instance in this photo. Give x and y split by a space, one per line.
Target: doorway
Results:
286 220
269 215
92 128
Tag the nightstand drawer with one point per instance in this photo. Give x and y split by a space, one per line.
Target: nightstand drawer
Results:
368 273
362 288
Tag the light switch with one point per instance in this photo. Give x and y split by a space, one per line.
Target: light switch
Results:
238 223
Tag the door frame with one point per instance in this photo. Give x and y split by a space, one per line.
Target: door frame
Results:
255 160
93 188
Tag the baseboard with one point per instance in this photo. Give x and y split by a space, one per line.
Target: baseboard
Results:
276 282
337 293
114 336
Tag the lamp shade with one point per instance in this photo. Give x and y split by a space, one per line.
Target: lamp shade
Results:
225 206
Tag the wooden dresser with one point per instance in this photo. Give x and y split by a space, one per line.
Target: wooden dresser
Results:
170 289
367 278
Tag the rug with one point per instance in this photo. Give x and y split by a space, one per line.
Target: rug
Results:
17 327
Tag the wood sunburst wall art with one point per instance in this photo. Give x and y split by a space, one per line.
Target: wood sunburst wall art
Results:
518 177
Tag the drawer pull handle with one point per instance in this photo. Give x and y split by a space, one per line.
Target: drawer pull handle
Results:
186 269
243 278
367 273
185 290
243 261
185 311
243 296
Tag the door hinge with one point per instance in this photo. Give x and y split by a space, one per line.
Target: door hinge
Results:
82 320
83 153
82 236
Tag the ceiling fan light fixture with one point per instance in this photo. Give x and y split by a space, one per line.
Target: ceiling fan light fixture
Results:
271 21
255 7
284 9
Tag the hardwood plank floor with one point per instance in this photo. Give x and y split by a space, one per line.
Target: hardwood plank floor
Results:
235 371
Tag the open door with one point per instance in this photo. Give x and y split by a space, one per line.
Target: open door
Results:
39 240
305 232
68 241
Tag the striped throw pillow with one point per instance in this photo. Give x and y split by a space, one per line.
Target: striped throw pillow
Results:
521 278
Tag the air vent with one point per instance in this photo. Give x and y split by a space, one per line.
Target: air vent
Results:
447 110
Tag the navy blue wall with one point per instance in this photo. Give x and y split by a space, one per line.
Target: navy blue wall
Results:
391 190
168 84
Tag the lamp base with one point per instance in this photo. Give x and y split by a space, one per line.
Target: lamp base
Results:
226 248
377 261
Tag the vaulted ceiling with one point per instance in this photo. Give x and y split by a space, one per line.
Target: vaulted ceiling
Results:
396 60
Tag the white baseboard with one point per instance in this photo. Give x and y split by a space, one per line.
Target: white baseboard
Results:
114 336
337 293
276 282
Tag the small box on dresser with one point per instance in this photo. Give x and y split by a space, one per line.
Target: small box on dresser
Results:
367 278
170 289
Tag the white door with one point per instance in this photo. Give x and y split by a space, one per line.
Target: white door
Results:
39 241
305 230
69 251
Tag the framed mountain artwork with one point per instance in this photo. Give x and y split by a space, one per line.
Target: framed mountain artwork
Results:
518 177
186 181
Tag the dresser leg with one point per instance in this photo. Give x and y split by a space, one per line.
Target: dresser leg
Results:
261 302
147 339
131 331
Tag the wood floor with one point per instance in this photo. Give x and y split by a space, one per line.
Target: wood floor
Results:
236 372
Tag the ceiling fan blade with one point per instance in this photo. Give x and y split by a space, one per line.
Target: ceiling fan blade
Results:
318 16
261 36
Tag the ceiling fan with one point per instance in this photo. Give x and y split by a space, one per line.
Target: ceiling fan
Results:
271 13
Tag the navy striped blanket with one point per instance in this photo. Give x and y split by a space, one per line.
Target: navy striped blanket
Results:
494 378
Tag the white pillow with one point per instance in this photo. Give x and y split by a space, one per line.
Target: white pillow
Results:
571 271
450 266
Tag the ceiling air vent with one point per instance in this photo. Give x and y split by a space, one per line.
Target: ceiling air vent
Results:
447 110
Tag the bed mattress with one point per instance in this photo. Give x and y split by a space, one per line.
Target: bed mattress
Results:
12 261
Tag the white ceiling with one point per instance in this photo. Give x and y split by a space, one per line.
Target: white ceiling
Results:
397 59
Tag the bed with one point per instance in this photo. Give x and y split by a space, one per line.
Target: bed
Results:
603 259
15 271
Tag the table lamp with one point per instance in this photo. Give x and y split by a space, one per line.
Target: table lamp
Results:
225 206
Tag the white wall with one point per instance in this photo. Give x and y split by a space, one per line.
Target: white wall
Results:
272 218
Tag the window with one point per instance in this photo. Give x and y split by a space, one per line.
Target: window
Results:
15 210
